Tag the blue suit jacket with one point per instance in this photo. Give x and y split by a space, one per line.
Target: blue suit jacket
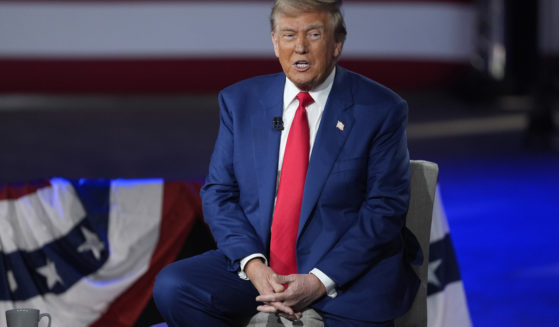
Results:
356 190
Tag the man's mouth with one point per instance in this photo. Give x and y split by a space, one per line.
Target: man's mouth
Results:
301 65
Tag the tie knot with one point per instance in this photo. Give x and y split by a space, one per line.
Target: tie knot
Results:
304 99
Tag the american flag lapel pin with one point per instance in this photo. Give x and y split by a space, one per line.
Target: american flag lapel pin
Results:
340 126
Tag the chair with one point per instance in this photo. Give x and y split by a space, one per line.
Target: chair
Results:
423 184
424 176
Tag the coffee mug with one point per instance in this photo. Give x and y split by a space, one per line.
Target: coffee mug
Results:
25 317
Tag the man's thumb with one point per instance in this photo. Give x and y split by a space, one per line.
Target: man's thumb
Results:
283 279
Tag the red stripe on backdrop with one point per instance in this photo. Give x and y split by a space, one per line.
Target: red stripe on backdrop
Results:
16 191
71 75
181 207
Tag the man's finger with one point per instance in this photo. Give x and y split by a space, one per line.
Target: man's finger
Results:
293 317
290 317
267 308
283 308
283 279
277 287
274 297
277 307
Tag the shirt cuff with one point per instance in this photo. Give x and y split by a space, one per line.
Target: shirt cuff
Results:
246 259
328 283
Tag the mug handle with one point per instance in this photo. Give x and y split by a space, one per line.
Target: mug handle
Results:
45 315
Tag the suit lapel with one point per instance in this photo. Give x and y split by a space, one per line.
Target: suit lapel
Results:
328 143
266 143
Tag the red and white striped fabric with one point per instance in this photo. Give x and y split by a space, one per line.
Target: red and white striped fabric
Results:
87 251
199 46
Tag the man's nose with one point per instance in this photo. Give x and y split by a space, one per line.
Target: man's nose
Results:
301 45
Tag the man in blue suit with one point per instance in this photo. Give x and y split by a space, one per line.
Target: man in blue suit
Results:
349 244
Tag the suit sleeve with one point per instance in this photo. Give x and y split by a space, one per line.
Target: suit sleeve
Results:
381 217
230 227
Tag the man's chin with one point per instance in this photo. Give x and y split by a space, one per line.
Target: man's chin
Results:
305 85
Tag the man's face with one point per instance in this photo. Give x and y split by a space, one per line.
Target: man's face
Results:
306 47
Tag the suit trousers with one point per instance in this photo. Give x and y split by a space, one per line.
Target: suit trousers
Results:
200 291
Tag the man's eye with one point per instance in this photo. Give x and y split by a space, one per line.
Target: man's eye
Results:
288 36
315 35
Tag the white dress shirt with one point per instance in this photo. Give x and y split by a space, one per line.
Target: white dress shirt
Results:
314 115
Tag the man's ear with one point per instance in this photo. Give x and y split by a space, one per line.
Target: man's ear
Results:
275 42
338 48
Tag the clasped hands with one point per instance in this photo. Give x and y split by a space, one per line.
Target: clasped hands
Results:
301 291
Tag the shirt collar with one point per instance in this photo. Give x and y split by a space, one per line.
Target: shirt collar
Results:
319 93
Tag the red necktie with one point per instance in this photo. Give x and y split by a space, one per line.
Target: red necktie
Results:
290 192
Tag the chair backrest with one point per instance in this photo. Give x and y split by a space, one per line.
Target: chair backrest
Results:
423 185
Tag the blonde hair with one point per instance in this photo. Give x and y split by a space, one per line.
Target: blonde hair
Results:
288 7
